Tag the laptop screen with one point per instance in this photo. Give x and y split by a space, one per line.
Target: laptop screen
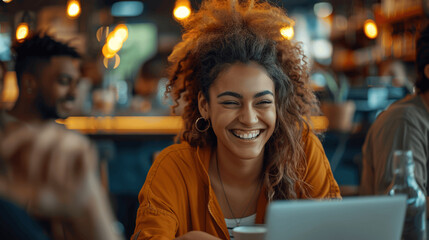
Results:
353 218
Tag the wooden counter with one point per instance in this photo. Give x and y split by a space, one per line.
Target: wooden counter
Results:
166 125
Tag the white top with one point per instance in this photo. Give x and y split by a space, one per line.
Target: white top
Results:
246 221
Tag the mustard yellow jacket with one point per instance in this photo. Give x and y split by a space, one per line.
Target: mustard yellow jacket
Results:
177 196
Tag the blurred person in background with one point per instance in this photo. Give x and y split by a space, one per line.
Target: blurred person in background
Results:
247 137
397 71
90 79
48 174
47 73
403 126
149 87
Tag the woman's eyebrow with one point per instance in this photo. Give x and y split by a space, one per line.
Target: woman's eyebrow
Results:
260 94
237 95
229 93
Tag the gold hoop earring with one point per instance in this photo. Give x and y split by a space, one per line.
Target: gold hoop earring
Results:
205 123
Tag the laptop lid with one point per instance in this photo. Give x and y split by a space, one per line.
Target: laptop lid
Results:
353 218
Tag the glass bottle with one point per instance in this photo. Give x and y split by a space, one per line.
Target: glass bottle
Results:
404 182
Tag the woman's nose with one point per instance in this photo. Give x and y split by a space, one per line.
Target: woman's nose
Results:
248 115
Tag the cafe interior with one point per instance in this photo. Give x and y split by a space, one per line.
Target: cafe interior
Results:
361 55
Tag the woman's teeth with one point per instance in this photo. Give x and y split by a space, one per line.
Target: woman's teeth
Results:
247 135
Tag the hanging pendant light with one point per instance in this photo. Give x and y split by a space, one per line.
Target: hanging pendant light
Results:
182 9
73 8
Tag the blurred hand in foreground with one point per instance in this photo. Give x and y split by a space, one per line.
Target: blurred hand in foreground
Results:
51 171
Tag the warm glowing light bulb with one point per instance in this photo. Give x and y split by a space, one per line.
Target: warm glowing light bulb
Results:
287 32
182 12
370 29
107 53
22 31
7 1
121 31
73 8
114 43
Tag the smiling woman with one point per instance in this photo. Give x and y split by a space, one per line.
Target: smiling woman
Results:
247 139
242 112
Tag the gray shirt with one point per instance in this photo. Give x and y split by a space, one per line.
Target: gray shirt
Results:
403 126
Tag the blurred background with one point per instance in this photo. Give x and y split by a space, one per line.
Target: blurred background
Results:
361 54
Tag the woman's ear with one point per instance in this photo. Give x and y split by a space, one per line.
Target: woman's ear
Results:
203 106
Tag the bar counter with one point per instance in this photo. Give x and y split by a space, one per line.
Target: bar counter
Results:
159 125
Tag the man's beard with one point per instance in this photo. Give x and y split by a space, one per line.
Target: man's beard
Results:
46 111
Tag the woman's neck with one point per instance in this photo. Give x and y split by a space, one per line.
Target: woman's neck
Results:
235 171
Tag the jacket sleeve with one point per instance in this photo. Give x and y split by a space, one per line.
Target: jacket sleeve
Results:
318 174
157 213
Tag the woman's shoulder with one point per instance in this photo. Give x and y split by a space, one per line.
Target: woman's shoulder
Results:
318 173
314 152
311 142
181 155
183 146
177 165
176 152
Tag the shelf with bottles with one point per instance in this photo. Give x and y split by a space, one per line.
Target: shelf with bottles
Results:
393 11
395 41
347 28
398 23
383 14
399 30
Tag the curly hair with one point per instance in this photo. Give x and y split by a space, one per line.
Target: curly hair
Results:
224 32
36 50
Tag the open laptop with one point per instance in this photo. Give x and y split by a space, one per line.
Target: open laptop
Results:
353 218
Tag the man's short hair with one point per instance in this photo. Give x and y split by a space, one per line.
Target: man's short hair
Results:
422 59
38 49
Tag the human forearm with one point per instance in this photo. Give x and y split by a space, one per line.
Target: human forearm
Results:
96 222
